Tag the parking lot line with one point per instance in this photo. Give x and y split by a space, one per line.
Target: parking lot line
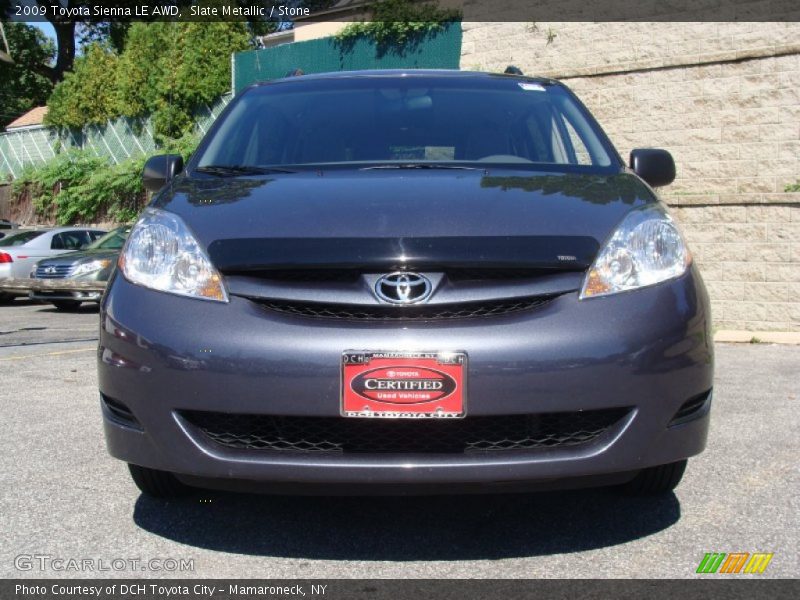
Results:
21 356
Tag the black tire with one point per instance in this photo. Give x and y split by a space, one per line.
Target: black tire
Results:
66 305
158 484
6 298
656 480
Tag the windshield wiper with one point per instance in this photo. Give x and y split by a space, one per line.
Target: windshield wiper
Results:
233 170
421 166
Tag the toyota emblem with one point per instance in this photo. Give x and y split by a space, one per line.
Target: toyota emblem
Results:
403 288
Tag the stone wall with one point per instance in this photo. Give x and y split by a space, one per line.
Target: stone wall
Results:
724 99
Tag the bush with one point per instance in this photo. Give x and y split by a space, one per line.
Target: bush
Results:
793 187
45 183
88 94
77 186
166 70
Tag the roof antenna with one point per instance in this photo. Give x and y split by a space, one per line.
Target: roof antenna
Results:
512 70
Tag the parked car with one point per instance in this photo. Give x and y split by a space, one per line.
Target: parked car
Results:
70 279
401 282
19 252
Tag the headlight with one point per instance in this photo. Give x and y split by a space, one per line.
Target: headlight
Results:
162 254
646 249
91 267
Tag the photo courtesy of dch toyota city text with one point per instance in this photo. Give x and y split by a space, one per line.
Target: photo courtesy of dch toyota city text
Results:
408 298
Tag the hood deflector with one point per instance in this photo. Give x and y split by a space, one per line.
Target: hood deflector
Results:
571 253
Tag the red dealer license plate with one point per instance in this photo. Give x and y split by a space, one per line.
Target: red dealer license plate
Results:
403 385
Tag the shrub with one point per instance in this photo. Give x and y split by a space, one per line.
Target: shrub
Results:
88 93
166 70
77 186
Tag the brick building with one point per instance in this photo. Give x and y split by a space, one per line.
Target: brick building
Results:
724 99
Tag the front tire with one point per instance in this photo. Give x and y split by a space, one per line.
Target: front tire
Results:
157 484
654 481
66 305
6 298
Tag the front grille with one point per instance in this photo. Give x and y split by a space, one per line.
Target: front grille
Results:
53 271
343 435
426 312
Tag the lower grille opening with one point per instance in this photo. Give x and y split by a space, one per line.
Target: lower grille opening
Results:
691 408
342 435
119 412
427 312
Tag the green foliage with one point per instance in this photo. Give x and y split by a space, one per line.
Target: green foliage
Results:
399 22
184 145
20 88
87 95
45 183
78 186
114 190
110 32
793 187
196 71
141 69
165 70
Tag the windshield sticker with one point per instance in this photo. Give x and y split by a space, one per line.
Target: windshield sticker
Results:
531 87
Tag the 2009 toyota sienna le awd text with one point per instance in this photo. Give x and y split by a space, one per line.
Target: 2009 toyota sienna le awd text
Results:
406 282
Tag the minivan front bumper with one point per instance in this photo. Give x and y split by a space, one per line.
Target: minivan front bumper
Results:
648 351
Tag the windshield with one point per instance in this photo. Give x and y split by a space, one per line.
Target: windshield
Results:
20 238
433 120
113 240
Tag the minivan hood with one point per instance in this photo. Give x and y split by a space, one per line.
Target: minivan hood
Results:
403 218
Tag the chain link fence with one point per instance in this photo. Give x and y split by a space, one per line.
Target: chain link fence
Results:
117 140
441 50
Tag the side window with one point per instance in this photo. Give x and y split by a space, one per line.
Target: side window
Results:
82 239
96 235
70 240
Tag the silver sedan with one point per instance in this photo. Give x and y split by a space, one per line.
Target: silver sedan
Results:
19 252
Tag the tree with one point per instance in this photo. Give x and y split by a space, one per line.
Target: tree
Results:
73 30
113 33
141 68
88 94
167 70
196 70
67 29
20 88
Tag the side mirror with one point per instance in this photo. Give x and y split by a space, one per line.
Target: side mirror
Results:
655 166
160 169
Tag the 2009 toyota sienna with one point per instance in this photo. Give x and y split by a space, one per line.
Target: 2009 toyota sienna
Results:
406 282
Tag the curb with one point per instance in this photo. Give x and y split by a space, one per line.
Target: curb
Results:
757 337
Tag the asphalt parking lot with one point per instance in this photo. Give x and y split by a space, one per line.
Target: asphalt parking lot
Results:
61 495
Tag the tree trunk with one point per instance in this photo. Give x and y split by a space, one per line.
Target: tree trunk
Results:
65 37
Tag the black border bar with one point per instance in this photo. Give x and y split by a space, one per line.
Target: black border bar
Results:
471 10
743 587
